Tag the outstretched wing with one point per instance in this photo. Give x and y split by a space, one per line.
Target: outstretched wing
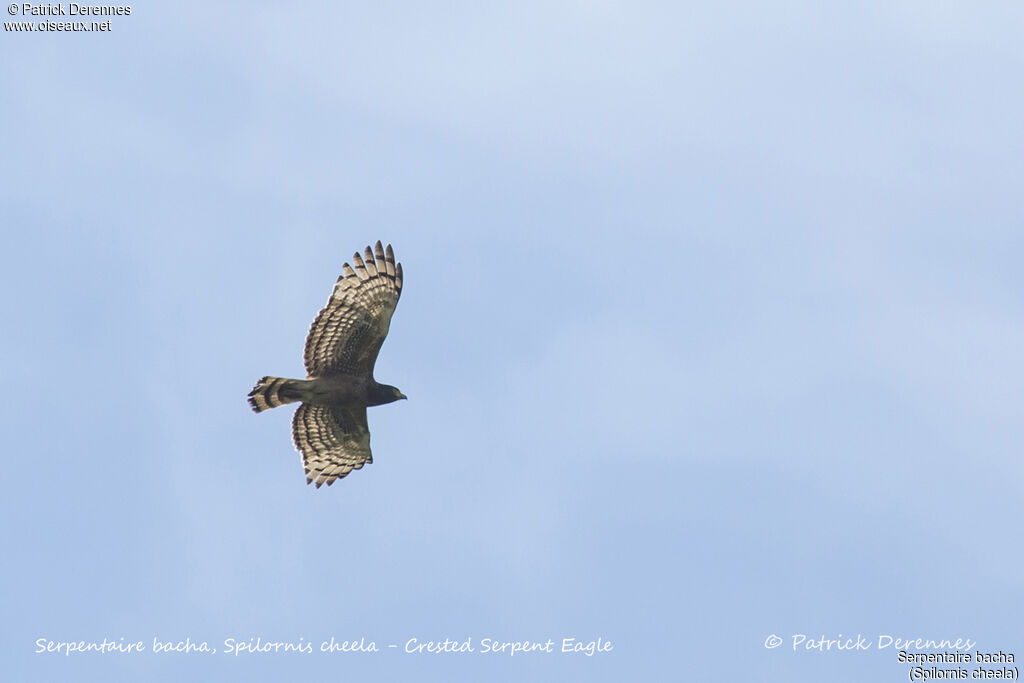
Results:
333 441
347 334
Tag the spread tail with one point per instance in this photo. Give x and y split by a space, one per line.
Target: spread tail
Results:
271 392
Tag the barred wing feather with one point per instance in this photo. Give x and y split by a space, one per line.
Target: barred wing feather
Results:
333 441
347 334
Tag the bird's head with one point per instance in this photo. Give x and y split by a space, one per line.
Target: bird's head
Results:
385 393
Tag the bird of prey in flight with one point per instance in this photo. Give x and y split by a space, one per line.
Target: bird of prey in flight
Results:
330 428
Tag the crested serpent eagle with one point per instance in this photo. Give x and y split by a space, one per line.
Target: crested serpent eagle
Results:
329 428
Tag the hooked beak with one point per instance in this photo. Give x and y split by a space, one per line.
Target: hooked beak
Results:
401 395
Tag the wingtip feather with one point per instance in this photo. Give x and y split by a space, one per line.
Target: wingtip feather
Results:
371 264
357 263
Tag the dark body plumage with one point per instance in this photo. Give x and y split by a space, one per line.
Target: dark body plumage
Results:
330 428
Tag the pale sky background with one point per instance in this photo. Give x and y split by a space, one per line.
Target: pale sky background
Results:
712 330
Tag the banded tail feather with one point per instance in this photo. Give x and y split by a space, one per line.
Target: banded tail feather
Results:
271 392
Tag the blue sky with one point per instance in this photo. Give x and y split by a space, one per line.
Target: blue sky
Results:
712 330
